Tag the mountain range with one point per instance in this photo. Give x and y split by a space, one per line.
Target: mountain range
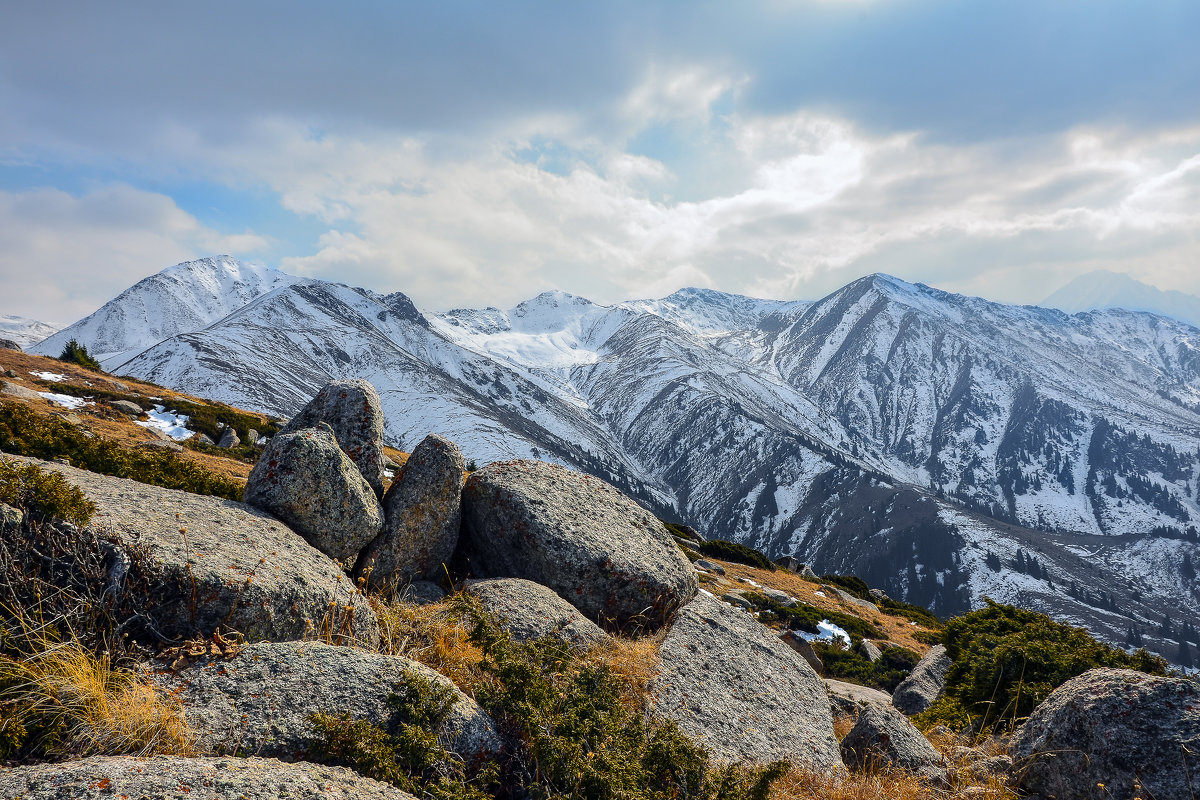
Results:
945 448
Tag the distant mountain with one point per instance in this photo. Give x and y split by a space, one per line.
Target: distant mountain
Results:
182 298
944 448
1103 289
25 331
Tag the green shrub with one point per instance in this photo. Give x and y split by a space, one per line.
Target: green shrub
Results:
737 553
681 531
851 665
852 584
803 617
930 638
918 614
1007 660
25 433
46 494
75 353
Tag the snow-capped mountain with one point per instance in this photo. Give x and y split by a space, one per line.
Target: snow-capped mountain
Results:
182 298
24 331
1104 289
942 447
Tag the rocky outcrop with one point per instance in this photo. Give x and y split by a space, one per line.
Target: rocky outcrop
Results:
592 545
306 480
351 408
883 738
1099 733
18 391
869 650
422 516
107 777
204 564
126 407
528 610
804 647
259 701
924 684
732 686
229 439
845 699
9 344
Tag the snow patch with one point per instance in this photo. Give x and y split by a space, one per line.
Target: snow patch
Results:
173 425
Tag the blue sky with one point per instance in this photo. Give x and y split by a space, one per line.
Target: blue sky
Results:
478 153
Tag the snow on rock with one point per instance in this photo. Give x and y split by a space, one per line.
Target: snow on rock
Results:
170 423
65 400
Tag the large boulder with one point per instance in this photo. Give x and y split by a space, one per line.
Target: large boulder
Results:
422 516
352 410
846 699
883 738
739 691
259 702
108 777
592 545
528 610
924 684
305 479
199 564
1100 733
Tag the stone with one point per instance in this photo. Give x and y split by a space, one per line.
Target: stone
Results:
804 647
924 684
576 534
711 566
160 777
9 344
74 420
1112 727
732 686
352 409
202 438
118 385
259 702
855 601
306 480
10 518
883 738
422 593
528 610
990 767
870 650
229 439
422 516
126 407
845 699
879 594
790 563
251 437
783 598
807 573
8 373
161 444
205 564
18 391
738 599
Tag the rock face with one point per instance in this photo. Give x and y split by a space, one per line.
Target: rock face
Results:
846 699
213 563
18 391
804 647
924 684
528 610
883 737
422 516
306 480
739 691
592 545
9 344
352 410
870 650
106 777
1112 727
258 702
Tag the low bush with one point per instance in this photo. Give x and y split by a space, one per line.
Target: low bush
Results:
803 617
1007 660
26 433
852 584
851 665
917 614
737 553
44 494
75 353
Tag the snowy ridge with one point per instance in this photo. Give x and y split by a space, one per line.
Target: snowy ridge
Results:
911 436
25 331
1103 289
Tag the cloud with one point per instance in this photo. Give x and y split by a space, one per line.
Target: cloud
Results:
60 253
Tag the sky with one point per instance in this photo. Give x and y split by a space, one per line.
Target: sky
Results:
478 153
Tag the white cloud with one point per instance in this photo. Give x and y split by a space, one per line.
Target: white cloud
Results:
60 253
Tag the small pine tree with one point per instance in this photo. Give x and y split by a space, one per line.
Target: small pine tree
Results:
76 353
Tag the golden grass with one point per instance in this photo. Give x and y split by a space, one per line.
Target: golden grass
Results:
804 785
435 634
633 661
100 710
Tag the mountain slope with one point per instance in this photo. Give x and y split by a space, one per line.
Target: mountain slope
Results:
180 299
1104 289
25 331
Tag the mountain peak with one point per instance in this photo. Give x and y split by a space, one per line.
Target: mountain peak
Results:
1104 289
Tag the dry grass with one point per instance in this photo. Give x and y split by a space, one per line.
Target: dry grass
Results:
804 785
98 709
633 661
435 634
